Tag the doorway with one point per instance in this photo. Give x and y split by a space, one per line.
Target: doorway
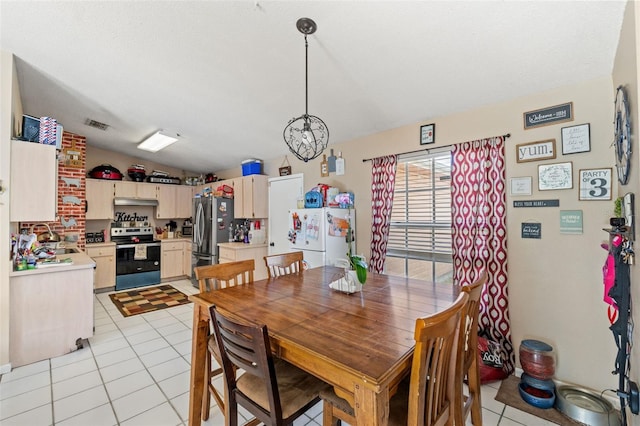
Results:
284 192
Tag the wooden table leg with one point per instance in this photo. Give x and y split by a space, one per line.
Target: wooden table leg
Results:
371 408
198 354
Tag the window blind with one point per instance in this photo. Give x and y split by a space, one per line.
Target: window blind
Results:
420 226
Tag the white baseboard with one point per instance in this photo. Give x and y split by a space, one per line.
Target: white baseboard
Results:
6 368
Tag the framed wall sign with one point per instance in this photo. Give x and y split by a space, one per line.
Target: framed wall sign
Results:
595 184
534 151
427 134
549 115
576 139
555 176
521 185
531 230
571 221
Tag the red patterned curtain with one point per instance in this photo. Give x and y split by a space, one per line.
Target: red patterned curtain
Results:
479 232
383 182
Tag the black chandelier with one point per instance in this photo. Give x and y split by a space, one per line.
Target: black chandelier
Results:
306 136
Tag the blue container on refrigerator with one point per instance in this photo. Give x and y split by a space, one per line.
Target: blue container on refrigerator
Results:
321 234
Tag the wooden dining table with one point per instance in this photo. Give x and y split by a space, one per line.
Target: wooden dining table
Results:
361 343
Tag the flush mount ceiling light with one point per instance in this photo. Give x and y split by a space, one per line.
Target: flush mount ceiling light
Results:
159 140
306 136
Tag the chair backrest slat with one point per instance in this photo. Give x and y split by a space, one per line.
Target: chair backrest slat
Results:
247 347
284 264
433 372
222 275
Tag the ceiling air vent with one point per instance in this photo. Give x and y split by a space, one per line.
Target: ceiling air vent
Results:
96 124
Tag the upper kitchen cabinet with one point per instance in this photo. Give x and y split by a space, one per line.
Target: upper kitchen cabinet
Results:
250 197
126 189
99 197
174 201
34 182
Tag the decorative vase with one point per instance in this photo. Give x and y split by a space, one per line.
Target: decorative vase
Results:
351 277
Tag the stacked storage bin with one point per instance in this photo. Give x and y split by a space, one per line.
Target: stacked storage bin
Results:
538 362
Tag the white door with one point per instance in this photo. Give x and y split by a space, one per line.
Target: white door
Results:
283 196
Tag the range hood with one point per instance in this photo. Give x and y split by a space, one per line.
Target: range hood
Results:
119 201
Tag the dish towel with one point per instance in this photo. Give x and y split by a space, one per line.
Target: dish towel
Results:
140 252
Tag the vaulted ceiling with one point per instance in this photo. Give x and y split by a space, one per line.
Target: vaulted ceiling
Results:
228 75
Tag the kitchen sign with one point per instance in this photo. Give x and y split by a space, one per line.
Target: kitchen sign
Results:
549 115
534 151
531 230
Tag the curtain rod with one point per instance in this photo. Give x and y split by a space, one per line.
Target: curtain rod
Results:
428 150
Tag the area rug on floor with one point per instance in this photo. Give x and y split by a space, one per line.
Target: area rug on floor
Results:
510 395
140 301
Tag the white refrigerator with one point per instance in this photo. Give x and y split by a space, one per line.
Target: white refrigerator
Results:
321 234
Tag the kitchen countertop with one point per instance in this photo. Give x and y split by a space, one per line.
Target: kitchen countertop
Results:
105 244
168 240
240 246
80 261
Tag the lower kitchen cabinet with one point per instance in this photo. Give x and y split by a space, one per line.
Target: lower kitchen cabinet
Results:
174 255
51 310
233 252
105 272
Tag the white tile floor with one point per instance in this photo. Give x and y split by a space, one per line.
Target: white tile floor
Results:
135 371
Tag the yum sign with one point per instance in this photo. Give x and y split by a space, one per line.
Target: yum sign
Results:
534 151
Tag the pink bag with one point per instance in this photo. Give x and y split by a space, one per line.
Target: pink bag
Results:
609 278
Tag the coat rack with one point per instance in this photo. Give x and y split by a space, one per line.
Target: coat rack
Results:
621 249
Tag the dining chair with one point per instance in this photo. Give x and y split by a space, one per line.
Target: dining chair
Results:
471 403
427 396
213 277
284 264
273 390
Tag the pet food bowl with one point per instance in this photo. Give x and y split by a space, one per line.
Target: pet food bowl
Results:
538 359
537 383
540 398
586 407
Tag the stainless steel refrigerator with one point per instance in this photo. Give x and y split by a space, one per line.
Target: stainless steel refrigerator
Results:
213 217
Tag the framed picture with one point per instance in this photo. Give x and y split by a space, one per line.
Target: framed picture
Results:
535 151
571 221
427 134
595 184
576 139
555 176
521 185
549 115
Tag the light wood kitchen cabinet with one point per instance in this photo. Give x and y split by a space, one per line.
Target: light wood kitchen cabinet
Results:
99 196
187 266
128 189
105 272
173 262
174 201
233 252
34 182
251 197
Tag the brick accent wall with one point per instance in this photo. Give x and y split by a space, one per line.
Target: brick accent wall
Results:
71 189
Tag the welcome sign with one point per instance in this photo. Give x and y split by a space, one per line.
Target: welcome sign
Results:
549 115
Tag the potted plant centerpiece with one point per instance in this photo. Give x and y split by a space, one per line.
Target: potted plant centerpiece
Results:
357 262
